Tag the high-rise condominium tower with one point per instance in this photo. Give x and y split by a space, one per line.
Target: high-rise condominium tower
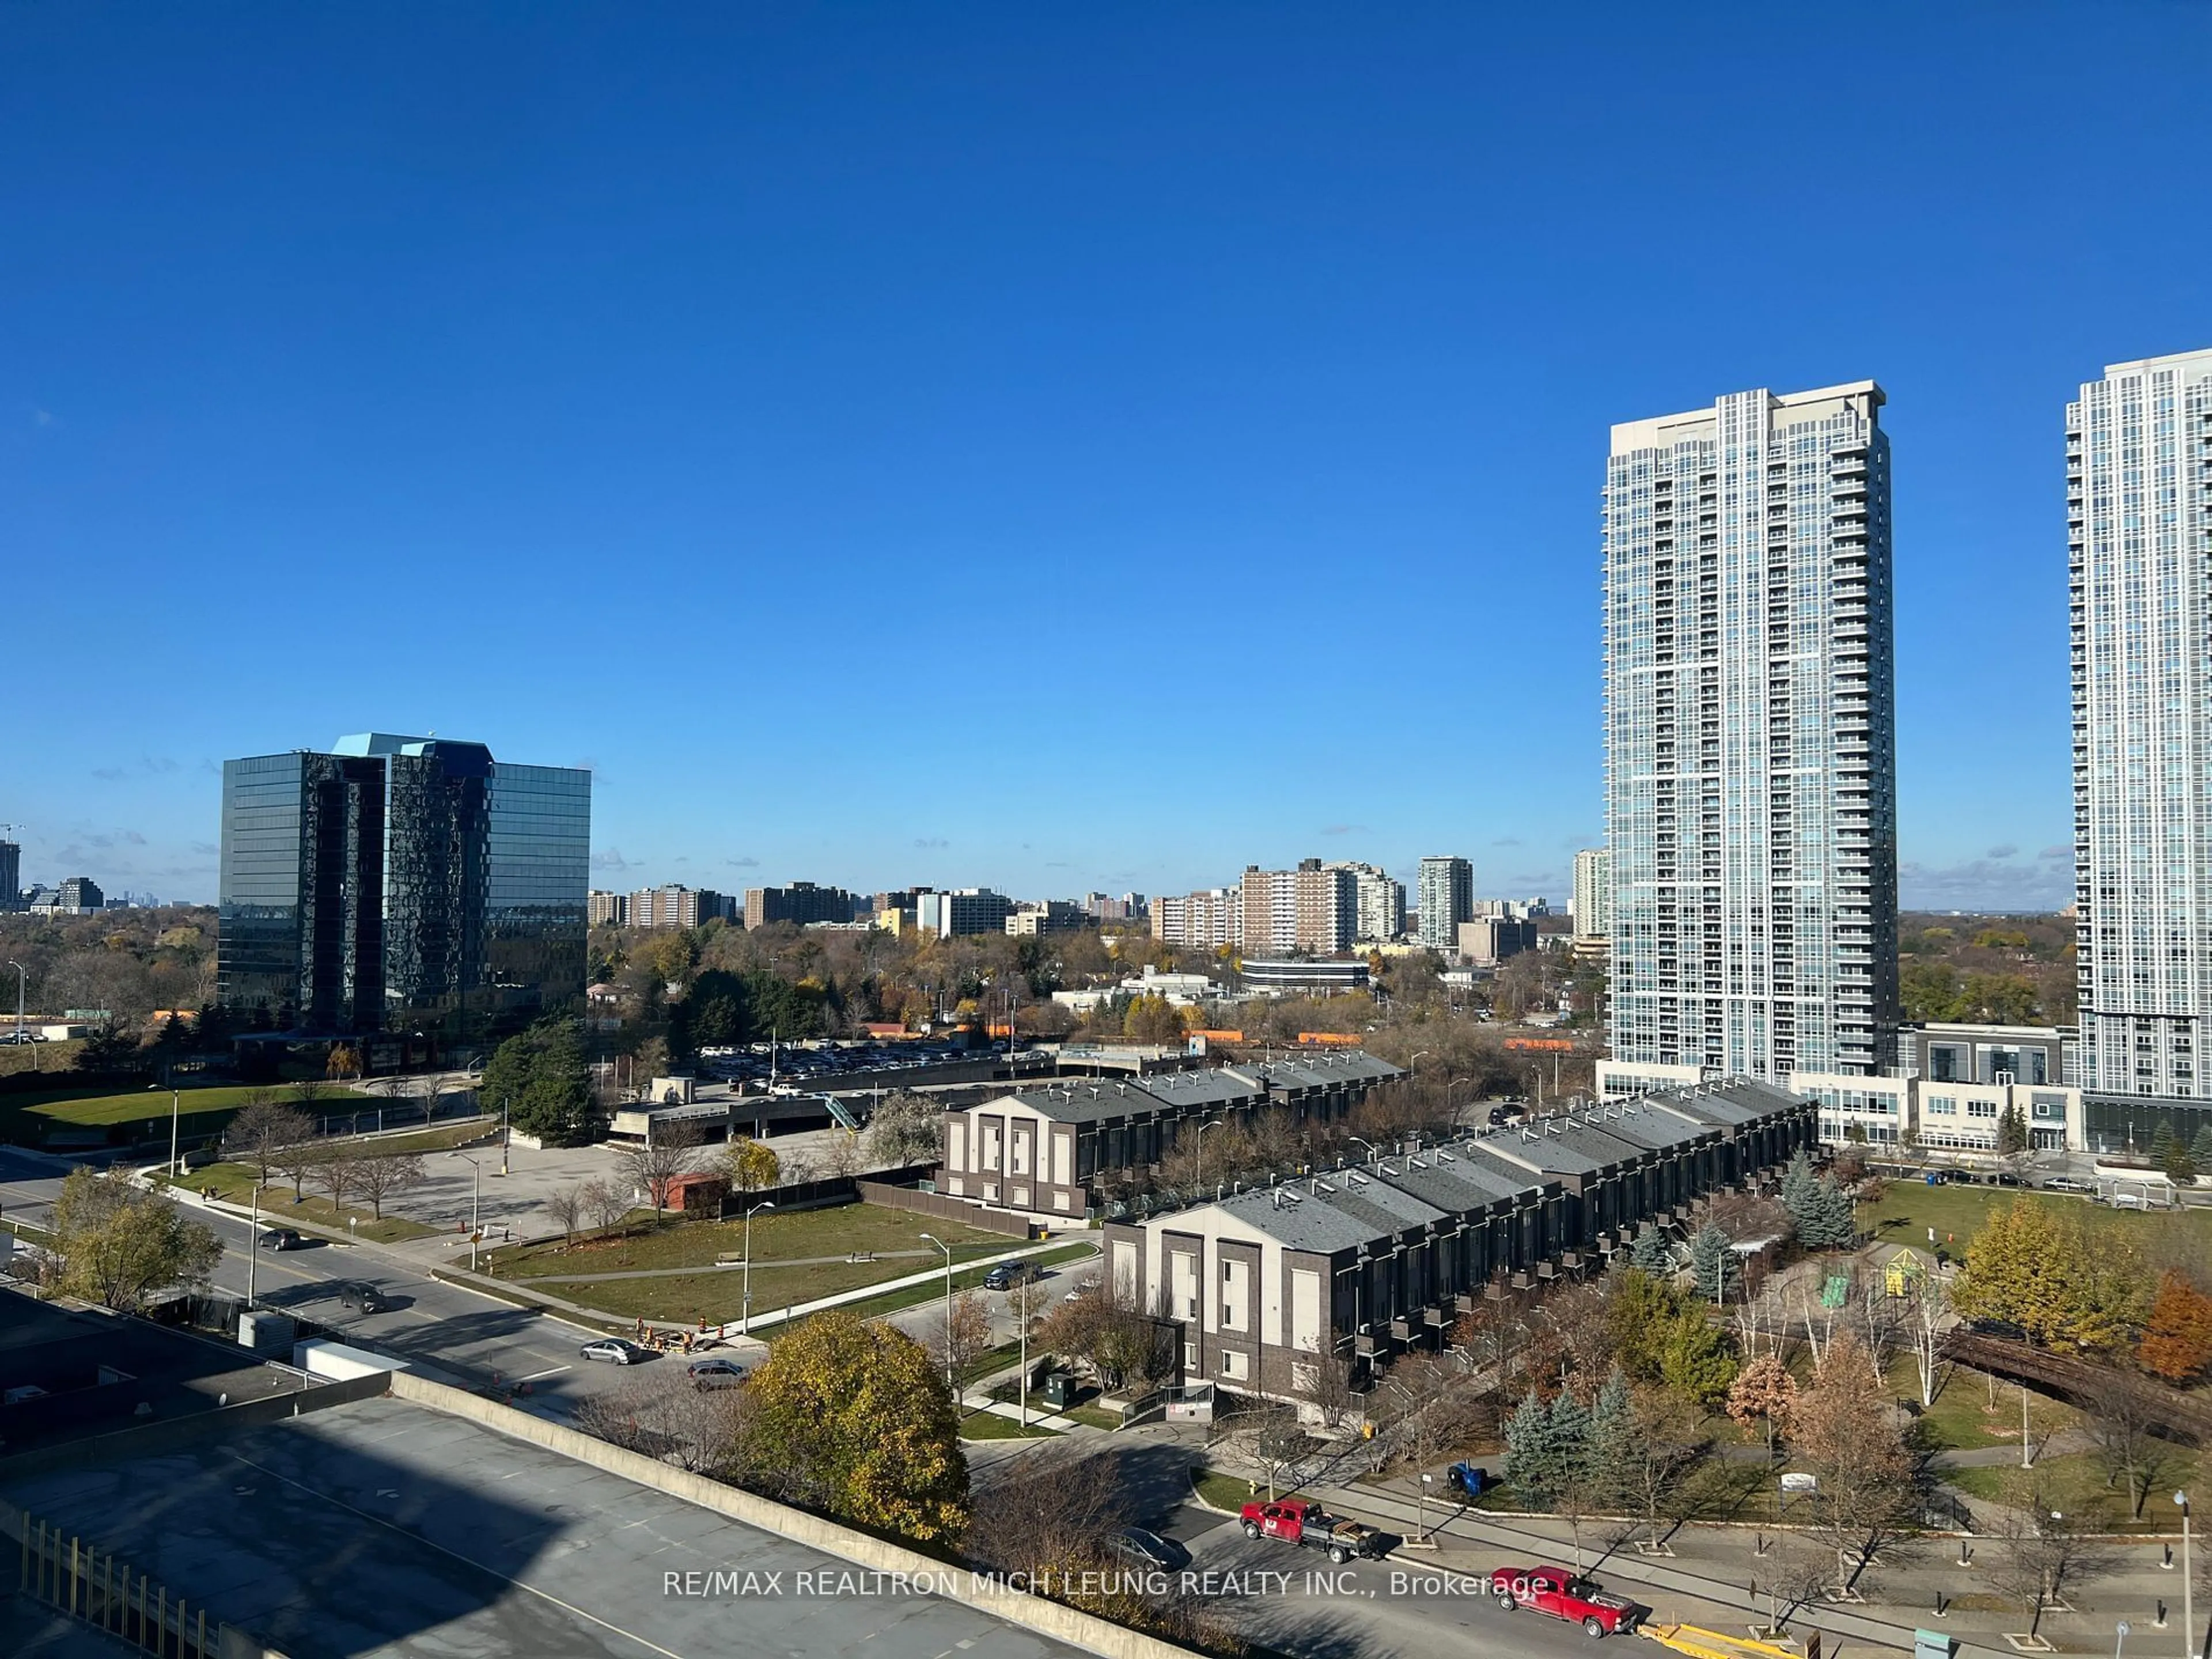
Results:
1750 736
1443 897
2139 516
1593 901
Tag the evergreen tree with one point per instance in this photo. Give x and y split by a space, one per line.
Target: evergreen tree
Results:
1650 1253
1695 1361
1715 1265
2179 1163
2161 1142
1609 1443
2012 1131
1533 1463
1800 1191
1839 1216
2200 1149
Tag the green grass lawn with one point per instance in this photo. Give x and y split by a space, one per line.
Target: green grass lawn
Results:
1908 1210
718 1296
1092 1417
235 1181
989 1426
1228 1493
1963 1416
2077 1484
777 1236
967 1279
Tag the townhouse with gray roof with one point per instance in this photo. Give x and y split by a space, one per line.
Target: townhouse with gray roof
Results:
1358 1263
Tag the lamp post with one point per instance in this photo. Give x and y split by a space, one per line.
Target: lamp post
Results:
947 1248
745 1318
1368 1145
21 975
175 1100
474 1171
253 1247
506 1135
2189 1639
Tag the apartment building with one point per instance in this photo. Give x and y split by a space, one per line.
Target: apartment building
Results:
1354 1265
1378 904
677 906
2139 536
1750 737
605 909
964 911
1445 898
1593 897
1052 1150
801 903
1209 920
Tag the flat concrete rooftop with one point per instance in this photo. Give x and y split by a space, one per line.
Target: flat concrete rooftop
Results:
384 1528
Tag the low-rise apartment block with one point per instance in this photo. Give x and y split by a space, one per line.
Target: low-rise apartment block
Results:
1211 920
1350 1267
1047 1150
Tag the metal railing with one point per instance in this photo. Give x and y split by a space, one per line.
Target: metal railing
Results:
86 1582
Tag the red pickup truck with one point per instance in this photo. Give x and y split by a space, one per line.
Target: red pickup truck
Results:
1294 1520
1563 1594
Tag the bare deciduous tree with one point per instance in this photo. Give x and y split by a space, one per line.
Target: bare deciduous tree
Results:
382 1176
605 1202
665 1417
332 1172
962 1336
2130 1448
670 1150
567 1206
258 1135
2042 1551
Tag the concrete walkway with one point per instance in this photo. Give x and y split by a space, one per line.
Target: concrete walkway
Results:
1728 1565
762 1262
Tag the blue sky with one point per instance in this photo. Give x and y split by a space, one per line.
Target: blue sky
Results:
1053 448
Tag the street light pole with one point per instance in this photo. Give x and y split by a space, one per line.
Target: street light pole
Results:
947 1248
506 1135
474 1171
746 1316
2190 1647
254 1253
174 1099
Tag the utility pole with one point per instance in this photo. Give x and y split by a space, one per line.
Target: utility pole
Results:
253 1244
2026 1449
2189 1647
947 1248
746 1316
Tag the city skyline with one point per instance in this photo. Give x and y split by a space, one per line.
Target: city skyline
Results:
1349 341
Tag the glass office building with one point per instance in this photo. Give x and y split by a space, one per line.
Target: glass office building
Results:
401 882
2139 516
1750 818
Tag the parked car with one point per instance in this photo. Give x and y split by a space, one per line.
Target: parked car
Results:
1148 1549
2004 1178
280 1238
1563 1595
2069 1184
1007 1274
358 1296
707 1375
1294 1520
616 1350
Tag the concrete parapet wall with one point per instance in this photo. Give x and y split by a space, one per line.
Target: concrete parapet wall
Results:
1061 1624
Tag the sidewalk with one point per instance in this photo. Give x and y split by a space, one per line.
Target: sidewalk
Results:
1724 1564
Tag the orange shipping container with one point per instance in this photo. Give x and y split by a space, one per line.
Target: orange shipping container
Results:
1328 1040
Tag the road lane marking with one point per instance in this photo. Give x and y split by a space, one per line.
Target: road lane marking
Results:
492 1572
537 1376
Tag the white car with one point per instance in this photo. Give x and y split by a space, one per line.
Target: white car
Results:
615 1350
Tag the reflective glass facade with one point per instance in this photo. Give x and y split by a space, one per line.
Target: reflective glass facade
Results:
541 856
301 922
401 882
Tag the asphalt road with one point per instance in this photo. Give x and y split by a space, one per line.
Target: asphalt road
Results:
461 1336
